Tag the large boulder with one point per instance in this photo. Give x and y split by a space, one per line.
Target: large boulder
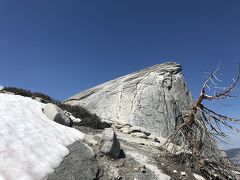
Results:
53 112
109 144
153 98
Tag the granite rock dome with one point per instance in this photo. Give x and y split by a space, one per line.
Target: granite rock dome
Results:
153 98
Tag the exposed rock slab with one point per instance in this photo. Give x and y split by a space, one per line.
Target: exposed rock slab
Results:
79 164
153 98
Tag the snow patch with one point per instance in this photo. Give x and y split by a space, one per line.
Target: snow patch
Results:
31 145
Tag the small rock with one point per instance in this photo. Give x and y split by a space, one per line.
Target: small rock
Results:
198 177
216 176
109 144
162 164
140 130
89 139
154 138
118 126
183 174
127 125
126 130
202 162
175 171
114 173
143 169
139 135
140 168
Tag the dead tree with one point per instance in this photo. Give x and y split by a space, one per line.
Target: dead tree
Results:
202 122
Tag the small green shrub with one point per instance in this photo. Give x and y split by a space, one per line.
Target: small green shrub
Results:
88 119
27 93
43 96
18 91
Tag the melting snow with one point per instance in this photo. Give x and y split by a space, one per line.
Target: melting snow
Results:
31 145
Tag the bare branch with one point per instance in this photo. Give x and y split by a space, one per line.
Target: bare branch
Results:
208 124
213 75
225 92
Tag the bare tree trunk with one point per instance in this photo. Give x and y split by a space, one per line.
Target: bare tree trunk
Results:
194 129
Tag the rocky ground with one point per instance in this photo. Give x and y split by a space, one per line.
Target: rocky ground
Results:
140 158
156 98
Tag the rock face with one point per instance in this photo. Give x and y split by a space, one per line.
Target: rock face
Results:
109 144
153 98
79 164
56 114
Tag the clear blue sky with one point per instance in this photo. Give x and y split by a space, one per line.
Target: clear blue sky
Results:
63 47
